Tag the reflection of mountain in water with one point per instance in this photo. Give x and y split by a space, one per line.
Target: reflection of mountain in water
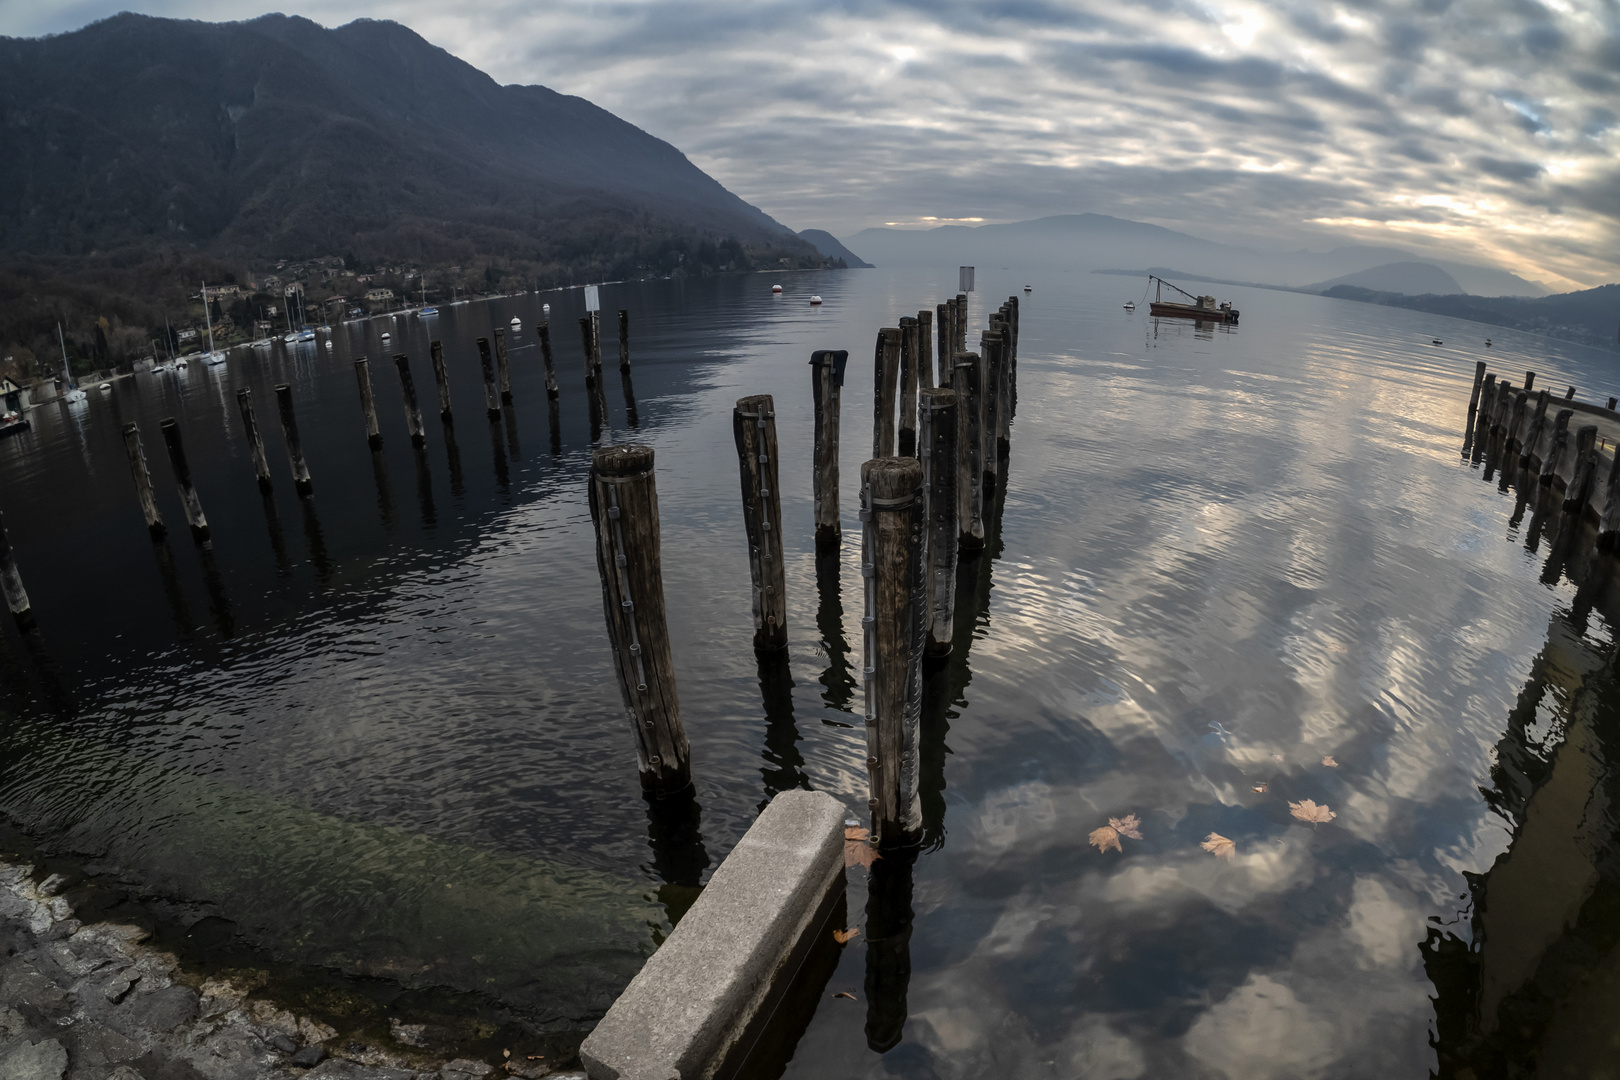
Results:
1532 986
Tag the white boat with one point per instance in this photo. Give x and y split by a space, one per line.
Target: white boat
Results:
545 309
213 356
73 395
289 339
428 312
776 288
306 335
104 387
815 300
1130 305
1029 288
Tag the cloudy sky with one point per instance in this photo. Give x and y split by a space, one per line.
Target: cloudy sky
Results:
1480 130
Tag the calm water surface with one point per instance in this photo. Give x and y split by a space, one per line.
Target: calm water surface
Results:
377 731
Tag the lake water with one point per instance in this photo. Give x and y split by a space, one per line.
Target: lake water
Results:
372 740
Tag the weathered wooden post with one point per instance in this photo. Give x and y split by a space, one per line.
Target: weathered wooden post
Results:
960 322
442 378
413 414
11 583
894 570
182 475
938 429
624 509
1479 378
1005 395
1580 483
143 480
1538 421
945 339
502 367
968 379
925 347
250 427
1487 396
826 386
295 447
753 424
624 340
991 349
1569 394
1499 409
909 381
1560 438
1609 522
544 330
1515 421
492 396
1529 381
1612 403
368 404
885 379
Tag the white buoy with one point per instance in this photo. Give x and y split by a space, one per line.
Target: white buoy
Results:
546 308
776 288
815 301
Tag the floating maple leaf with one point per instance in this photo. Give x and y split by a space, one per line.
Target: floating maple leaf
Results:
1126 826
858 849
1307 810
1327 759
1260 788
1104 838
842 936
844 994
1219 846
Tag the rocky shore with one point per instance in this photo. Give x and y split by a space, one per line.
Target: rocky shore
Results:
93 1002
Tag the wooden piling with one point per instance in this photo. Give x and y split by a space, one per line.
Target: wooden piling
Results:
945 339
250 428
1532 440
1529 381
1609 521
1479 378
968 381
11 583
442 378
909 382
753 425
182 476
1487 397
1612 403
143 480
624 509
413 414
959 323
1580 482
925 348
1560 438
1569 394
544 330
885 378
295 447
368 404
502 367
492 395
1515 420
894 571
1499 409
624 340
937 428
826 387
990 347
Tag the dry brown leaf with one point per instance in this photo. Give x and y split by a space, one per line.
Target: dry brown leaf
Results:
1327 759
1219 846
1104 838
1260 788
842 936
858 849
1126 826
845 994
1306 810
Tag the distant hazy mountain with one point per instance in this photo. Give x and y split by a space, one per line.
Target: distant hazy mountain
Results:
279 138
1590 317
1095 241
1408 278
826 243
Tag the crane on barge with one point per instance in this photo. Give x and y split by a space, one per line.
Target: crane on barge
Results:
1202 307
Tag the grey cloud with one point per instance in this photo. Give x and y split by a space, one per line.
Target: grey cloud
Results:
1517 171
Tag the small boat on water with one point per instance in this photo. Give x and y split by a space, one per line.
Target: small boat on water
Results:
545 309
1204 308
13 423
104 387
776 288
1029 288
517 324
1130 305
428 312
815 301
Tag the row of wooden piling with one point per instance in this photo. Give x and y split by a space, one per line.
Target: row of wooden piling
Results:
496 371
940 439
1510 429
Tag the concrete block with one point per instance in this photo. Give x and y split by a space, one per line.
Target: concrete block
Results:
693 1001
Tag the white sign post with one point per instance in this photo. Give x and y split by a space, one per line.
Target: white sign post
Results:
593 298
964 279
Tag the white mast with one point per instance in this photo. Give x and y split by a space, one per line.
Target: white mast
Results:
209 322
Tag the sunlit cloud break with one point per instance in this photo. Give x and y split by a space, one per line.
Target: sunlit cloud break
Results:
1483 131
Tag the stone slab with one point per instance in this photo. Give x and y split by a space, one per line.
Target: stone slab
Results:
689 1005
